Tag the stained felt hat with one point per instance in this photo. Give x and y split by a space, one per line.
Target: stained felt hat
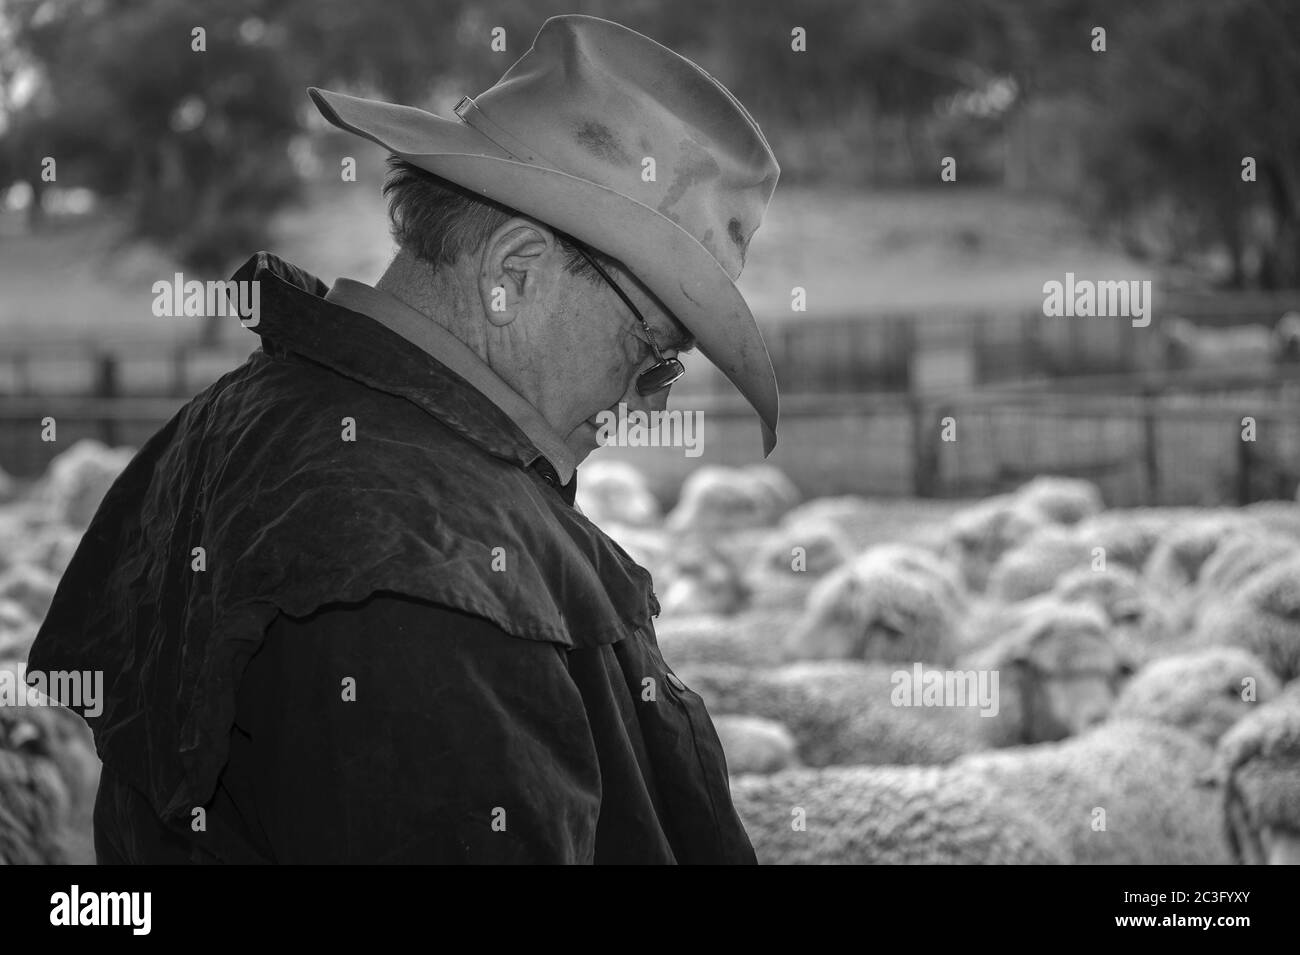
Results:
566 135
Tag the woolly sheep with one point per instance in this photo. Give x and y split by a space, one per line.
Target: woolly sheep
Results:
1201 691
1126 536
1059 673
979 535
755 745
15 534
822 548
780 491
51 548
33 806
1275 517
715 498
1258 771
751 638
1143 767
853 516
1177 559
48 777
869 523
1110 592
736 546
1143 776
1263 616
790 560
78 479
615 492
1238 559
886 815
1060 500
1142 772
895 603
1140 625
1116 591
987 621
29 535
30 586
700 578
839 711
1056 675
1033 566
648 547
17 630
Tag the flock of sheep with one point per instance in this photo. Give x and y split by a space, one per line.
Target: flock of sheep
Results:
49 771
1147 706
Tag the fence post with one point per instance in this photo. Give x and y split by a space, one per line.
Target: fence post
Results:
911 340
180 362
925 449
1244 463
1151 444
106 389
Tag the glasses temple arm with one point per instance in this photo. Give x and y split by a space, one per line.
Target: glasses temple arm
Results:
627 301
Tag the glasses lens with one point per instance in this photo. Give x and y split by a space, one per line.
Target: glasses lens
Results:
660 376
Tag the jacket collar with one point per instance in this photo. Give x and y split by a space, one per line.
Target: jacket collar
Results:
430 337
295 315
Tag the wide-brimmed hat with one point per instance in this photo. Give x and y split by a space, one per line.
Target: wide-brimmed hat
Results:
608 136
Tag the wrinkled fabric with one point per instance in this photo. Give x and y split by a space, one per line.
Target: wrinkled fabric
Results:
440 501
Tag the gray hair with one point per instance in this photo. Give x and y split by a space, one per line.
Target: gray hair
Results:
439 221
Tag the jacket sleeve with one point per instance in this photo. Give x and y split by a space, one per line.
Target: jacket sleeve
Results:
397 731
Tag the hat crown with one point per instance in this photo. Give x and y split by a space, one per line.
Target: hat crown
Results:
596 100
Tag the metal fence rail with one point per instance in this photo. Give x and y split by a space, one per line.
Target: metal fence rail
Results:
1146 437
1141 449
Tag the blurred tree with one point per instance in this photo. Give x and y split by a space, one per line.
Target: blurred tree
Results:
193 140
197 143
1184 91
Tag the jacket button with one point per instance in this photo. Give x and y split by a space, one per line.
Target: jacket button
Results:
675 683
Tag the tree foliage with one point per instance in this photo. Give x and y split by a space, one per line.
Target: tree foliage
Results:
197 144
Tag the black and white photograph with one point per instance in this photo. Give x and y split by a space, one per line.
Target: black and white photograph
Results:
856 432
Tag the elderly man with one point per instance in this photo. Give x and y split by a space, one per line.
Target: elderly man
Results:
344 605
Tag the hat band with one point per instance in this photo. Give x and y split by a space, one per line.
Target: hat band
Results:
468 112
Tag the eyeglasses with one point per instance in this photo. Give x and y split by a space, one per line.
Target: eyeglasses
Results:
664 371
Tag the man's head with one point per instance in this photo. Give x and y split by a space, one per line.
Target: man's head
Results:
601 134
526 298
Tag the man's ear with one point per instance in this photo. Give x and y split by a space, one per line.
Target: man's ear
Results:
513 267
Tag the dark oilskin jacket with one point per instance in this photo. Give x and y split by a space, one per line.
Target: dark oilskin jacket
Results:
407 647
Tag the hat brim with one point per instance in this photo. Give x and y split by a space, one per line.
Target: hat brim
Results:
667 259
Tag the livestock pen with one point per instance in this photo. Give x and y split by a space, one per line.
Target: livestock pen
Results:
864 406
1148 446
1171 448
